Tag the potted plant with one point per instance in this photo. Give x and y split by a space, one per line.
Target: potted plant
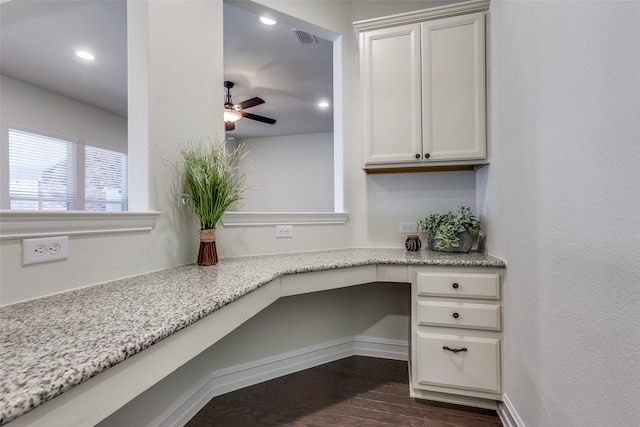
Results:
449 232
210 185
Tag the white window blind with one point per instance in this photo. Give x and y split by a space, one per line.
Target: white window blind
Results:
105 187
42 172
48 173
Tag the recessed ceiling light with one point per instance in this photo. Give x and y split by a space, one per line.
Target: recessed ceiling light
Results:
267 21
323 104
85 55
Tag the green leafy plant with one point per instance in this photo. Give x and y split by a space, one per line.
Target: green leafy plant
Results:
211 184
445 228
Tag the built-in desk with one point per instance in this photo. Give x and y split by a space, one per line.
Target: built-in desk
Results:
85 347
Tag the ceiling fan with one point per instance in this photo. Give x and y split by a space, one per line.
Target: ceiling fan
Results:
234 112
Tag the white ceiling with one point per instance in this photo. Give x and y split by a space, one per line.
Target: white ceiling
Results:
38 43
39 37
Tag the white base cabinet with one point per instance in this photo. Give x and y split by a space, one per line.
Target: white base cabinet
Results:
456 335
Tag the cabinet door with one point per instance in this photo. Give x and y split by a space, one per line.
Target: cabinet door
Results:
453 84
459 361
391 90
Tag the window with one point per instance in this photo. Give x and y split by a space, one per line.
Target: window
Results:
53 173
105 186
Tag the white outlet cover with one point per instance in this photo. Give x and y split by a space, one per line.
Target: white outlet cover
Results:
44 249
284 231
408 227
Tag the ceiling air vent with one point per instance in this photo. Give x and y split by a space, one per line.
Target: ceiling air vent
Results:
304 37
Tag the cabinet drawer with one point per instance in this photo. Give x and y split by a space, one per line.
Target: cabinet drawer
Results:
464 285
459 315
475 366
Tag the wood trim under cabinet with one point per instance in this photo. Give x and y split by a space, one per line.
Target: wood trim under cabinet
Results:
423 168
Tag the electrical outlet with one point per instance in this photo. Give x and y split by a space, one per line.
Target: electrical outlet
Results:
45 249
284 231
54 248
408 228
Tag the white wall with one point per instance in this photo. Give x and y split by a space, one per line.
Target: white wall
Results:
292 173
369 9
32 108
561 201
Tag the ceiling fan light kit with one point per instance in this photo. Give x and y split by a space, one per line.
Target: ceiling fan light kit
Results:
233 112
231 115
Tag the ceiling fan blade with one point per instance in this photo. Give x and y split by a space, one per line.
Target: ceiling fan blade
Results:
258 118
250 103
229 126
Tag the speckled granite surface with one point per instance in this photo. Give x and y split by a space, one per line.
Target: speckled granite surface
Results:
49 345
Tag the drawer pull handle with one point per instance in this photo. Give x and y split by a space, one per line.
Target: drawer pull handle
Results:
455 286
455 350
456 315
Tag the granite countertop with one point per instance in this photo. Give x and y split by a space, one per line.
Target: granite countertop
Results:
51 344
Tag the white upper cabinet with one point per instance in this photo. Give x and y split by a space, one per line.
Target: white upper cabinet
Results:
453 88
391 94
423 89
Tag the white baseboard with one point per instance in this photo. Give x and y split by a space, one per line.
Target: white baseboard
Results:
240 376
381 348
508 414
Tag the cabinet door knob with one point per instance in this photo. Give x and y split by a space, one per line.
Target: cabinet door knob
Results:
417 156
427 155
456 315
455 286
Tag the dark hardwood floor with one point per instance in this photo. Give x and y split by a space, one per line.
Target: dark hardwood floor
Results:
356 391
